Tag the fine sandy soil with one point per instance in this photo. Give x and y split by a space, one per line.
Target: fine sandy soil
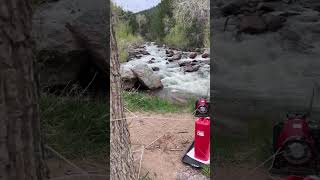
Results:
165 137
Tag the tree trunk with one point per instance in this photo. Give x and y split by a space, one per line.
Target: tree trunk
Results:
20 149
121 160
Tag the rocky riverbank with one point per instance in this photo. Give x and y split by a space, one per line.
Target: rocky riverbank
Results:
152 67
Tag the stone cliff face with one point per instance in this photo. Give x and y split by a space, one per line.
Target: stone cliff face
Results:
266 53
68 56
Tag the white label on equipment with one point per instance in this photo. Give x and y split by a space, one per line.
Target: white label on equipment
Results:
200 133
297 126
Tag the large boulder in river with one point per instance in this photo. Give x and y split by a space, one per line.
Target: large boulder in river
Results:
69 55
128 78
147 77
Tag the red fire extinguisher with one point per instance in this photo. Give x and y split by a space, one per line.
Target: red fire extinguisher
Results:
202 139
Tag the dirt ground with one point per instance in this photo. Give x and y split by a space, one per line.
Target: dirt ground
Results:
165 137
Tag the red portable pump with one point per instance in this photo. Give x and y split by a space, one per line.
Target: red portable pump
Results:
202 107
202 139
296 145
198 154
295 141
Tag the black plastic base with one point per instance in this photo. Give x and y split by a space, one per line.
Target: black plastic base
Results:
190 161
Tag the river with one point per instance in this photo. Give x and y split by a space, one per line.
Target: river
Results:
177 83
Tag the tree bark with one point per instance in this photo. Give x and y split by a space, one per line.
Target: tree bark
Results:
121 160
20 147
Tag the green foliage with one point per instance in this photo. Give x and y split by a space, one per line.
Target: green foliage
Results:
206 170
225 147
166 26
255 145
125 37
125 28
75 127
136 101
145 177
260 136
206 40
177 37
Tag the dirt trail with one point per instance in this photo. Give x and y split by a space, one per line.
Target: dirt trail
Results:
162 159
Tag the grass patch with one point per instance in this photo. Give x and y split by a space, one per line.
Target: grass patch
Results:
255 145
226 147
145 177
260 136
75 127
136 101
206 170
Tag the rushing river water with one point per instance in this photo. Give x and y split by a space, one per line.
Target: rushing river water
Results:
176 82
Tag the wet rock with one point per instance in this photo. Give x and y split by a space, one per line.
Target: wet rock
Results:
205 55
146 77
150 62
155 68
138 56
170 54
145 52
252 24
192 55
194 63
190 68
170 59
184 63
177 56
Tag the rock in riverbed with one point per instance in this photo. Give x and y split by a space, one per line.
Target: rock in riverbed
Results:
128 78
192 55
146 77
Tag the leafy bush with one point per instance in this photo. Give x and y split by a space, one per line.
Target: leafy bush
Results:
177 37
125 38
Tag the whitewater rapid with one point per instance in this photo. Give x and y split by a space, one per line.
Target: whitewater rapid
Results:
173 77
